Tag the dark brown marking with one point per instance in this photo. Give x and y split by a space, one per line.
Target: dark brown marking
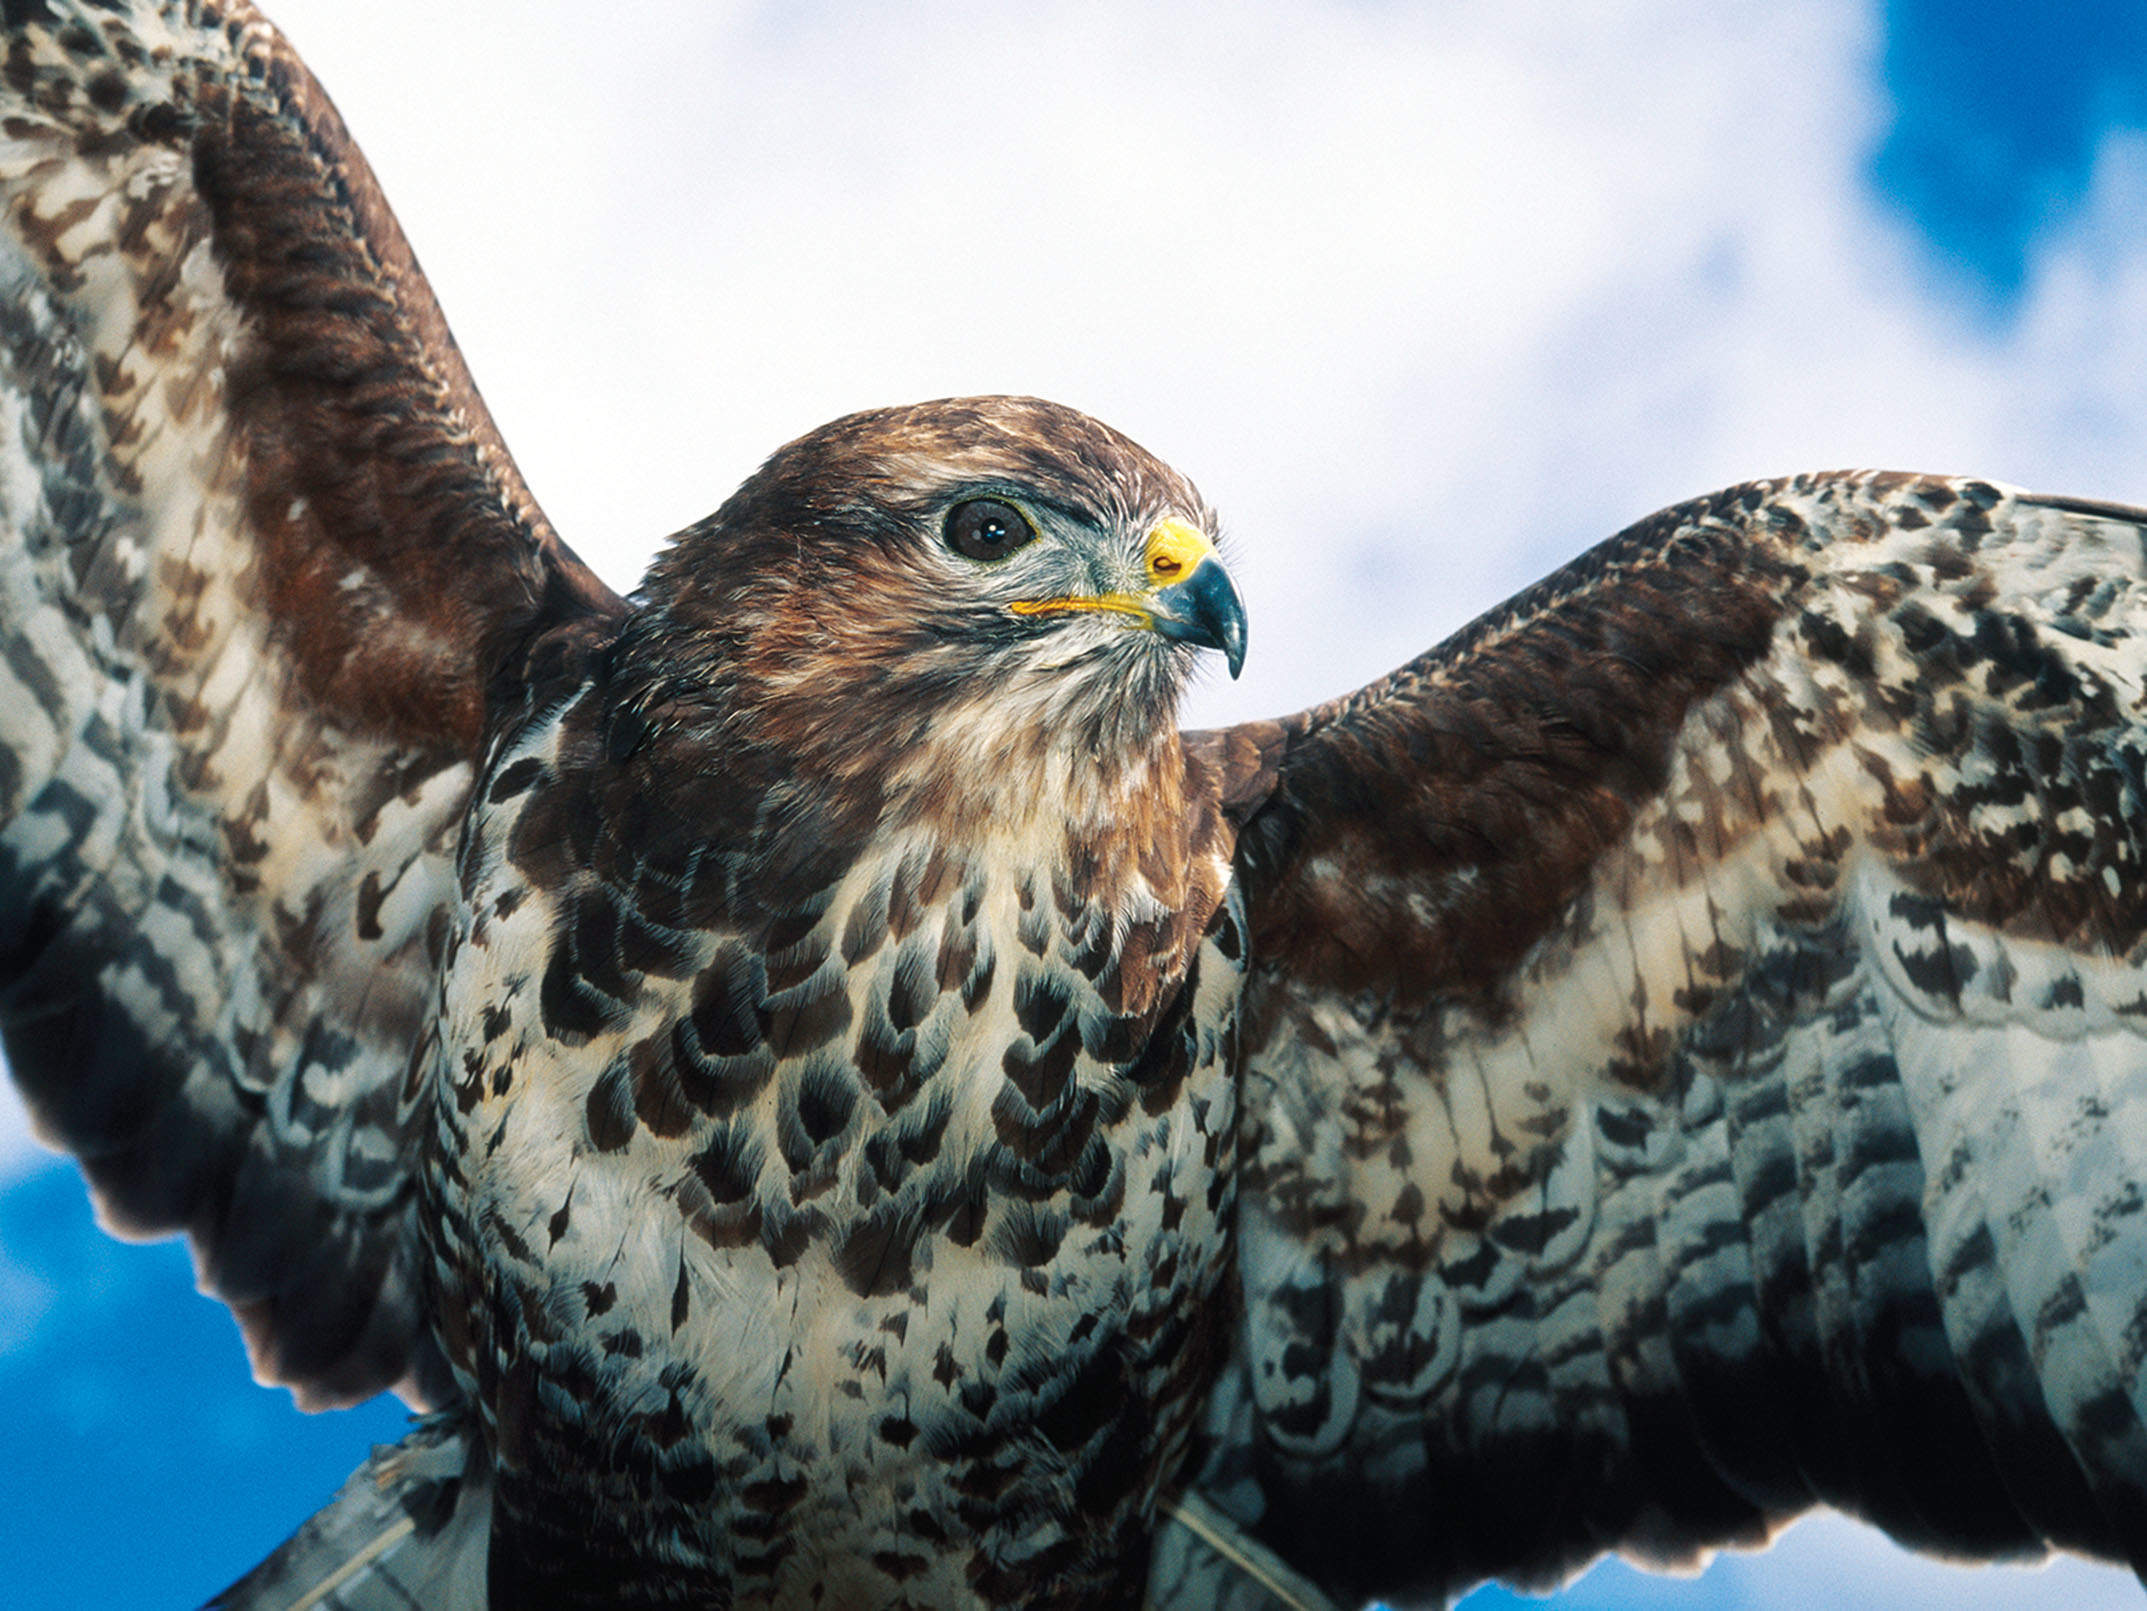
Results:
610 1110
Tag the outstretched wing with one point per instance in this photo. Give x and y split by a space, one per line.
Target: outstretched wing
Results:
1696 1054
261 552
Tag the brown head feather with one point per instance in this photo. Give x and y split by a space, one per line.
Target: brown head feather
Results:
816 632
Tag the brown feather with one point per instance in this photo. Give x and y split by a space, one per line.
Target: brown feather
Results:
1679 1014
268 498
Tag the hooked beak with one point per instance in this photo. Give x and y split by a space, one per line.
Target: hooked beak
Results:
1202 606
1204 609
1189 597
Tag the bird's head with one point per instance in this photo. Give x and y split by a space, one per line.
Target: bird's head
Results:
964 583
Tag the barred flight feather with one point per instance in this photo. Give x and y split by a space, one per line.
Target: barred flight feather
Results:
1716 1105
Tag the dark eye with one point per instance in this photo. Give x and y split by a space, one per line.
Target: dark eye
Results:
985 528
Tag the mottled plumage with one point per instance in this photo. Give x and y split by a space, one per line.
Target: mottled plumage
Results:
828 1098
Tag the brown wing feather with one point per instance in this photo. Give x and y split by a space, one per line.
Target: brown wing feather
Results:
264 557
1512 755
1692 1054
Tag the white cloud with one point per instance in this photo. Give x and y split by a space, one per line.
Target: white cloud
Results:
1425 302
1828 1561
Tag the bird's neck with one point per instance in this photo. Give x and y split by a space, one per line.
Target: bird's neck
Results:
1031 776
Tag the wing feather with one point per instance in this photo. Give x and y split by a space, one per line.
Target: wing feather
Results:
264 556
1692 1044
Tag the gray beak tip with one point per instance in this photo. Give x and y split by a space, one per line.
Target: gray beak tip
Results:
1205 609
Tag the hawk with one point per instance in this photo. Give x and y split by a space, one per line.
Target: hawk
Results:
827 1097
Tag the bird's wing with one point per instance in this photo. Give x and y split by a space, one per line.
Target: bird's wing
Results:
260 552
1695 1053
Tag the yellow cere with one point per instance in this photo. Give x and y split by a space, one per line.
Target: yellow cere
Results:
1175 550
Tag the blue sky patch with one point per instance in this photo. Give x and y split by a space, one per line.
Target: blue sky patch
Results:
1999 109
111 1348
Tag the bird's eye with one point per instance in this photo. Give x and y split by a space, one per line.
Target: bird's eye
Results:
986 528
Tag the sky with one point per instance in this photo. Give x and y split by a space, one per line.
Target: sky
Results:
1425 298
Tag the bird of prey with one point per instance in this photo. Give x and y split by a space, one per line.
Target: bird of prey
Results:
827 1097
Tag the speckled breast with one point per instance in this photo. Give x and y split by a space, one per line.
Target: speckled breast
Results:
866 1259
